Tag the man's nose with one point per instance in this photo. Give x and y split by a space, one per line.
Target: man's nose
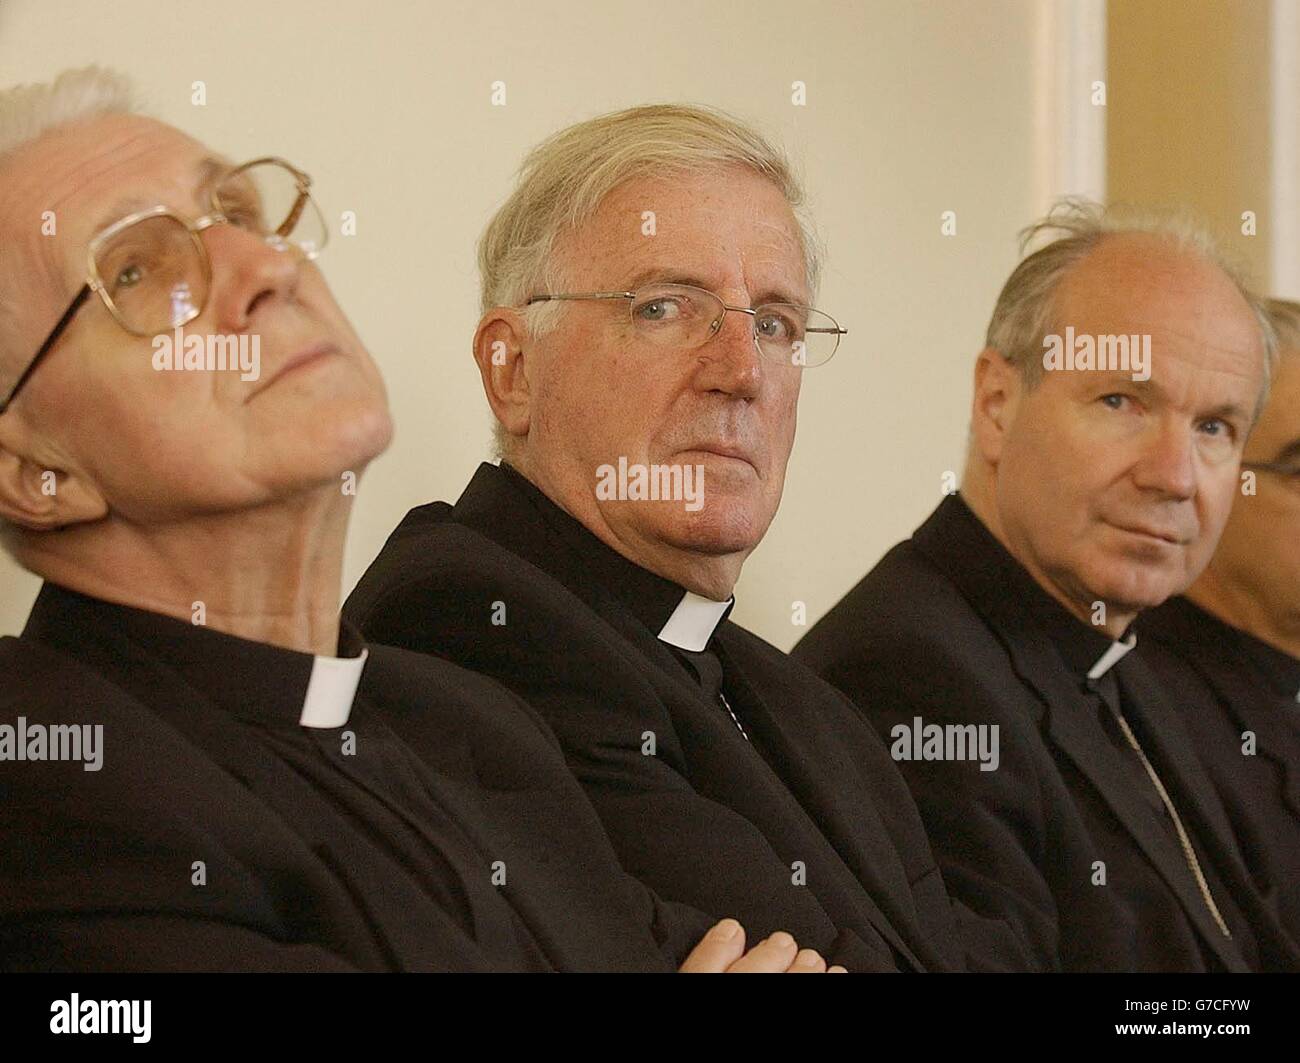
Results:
247 271
729 361
1168 462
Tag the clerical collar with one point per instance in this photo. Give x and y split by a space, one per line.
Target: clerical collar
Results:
694 621
1087 651
251 680
677 616
1113 655
331 689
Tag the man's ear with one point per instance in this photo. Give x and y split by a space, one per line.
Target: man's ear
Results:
36 495
998 387
500 350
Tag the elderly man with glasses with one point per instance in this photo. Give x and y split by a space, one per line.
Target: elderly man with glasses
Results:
646 324
200 768
151 268
1229 649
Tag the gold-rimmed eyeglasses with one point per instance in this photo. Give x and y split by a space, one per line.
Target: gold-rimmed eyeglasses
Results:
151 269
685 317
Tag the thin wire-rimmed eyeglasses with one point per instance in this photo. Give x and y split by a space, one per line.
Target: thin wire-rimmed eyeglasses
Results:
685 317
1288 470
152 270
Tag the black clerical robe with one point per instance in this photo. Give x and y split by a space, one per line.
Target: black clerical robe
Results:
1070 835
1239 698
430 825
727 776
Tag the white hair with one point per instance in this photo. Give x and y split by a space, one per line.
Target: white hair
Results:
564 179
1285 316
29 111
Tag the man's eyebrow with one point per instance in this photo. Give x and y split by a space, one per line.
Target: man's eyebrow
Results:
778 295
1231 411
663 275
1290 452
1145 388
206 173
209 170
121 208
1225 411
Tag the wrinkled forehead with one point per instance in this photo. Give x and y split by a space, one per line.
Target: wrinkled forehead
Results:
1145 284
700 222
57 192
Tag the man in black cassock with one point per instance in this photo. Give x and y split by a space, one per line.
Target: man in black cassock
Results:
1094 488
1229 650
199 767
645 388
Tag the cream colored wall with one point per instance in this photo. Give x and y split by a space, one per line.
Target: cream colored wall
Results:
1189 101
914 108
1284 115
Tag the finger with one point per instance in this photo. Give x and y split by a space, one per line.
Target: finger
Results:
837 969
717 950
808 961
772 956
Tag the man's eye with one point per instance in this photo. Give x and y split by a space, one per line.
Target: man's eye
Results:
1216 427
128 277
1114 402
660 310
775 327
246 218
242 208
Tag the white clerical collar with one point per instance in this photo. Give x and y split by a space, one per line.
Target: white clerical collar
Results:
693 622
1113 655
331 690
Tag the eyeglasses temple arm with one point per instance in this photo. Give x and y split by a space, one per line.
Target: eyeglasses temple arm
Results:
294 215
64 321
1271 466
579 295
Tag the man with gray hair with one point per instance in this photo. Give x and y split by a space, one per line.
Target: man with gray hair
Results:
1229 650
269 792
1124 367
647 318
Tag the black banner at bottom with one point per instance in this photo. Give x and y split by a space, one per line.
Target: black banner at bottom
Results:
667 1015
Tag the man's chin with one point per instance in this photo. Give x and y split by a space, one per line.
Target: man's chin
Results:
712 531
352 433
1133 588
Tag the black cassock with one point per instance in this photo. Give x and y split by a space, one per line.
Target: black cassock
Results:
436 829
727 775
1070 836
1240 700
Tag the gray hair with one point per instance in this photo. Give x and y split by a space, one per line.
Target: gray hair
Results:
1284 314
564 179
1026 306
28 112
